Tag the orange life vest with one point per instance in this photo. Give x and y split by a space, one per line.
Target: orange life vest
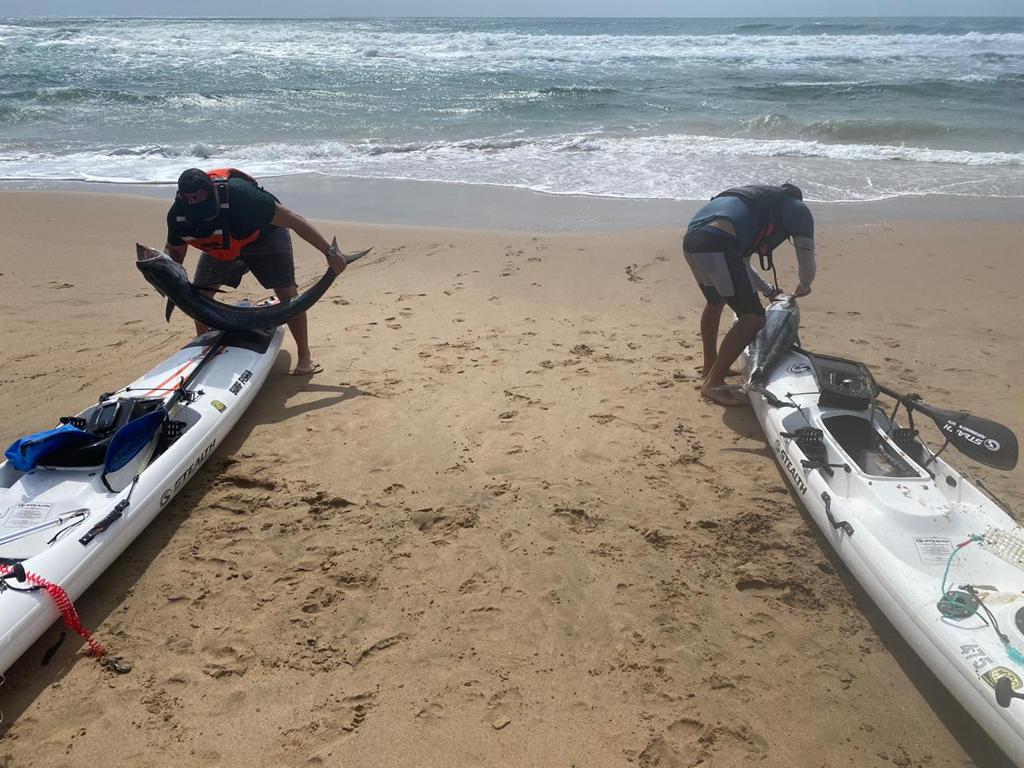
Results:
219 243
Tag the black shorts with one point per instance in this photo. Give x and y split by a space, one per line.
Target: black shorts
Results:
270 260
721 271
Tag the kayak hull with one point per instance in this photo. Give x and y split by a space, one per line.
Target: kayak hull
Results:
225 386
896 525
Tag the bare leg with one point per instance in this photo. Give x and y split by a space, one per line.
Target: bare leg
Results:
300 332
709 322
739 336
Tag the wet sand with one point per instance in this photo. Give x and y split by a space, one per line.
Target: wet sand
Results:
500 528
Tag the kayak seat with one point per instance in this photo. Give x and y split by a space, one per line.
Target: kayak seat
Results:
103 421
907 441
868 449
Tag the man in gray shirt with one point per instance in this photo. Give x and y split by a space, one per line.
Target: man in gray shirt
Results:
718 244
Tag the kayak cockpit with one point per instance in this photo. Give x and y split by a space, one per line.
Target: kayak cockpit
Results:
101 421
868 447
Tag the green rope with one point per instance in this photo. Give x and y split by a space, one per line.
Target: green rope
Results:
956 550
1014 654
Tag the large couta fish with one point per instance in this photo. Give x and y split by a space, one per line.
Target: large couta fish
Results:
171 280
781 331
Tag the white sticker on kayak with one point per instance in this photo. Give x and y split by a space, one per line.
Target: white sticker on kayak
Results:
933 550
30 513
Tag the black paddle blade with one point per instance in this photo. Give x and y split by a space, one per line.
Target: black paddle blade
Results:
984 441
167 311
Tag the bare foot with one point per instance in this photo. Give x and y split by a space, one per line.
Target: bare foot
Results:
730 372
307 369
724 395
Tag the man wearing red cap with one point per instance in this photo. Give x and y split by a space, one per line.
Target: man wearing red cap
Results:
239 227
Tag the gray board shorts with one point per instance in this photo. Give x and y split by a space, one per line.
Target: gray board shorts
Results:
721 270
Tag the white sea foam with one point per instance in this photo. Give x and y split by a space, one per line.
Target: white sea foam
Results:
366 45
678 166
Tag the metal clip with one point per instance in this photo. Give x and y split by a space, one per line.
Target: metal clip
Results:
116 664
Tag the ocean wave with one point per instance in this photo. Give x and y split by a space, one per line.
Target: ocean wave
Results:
758 26
67 94
668 166
998 57
771 124
153 44
50 96
199 150
1011 79
860 131
929 89
687 145
876 131
649 148
470 145
575 91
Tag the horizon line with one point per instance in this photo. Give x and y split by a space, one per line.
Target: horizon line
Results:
498 16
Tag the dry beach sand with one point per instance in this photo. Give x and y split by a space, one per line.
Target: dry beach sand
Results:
500 529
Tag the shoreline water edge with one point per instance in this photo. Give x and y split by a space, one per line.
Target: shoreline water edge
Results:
400 202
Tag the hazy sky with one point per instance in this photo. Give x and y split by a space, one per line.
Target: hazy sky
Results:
510 8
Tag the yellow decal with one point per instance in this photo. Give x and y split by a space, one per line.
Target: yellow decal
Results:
996 674
218 405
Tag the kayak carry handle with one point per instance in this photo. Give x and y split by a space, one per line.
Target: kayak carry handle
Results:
843 525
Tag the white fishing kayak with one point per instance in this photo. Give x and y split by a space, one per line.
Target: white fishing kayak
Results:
65 520
897 517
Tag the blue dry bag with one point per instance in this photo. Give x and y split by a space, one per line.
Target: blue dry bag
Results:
26 452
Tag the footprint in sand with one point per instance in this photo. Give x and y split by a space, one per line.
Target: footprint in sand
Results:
689 741
222 660
577 519
431 713
475 584
633 273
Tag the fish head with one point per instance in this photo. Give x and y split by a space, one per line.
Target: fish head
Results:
159 269
784 309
